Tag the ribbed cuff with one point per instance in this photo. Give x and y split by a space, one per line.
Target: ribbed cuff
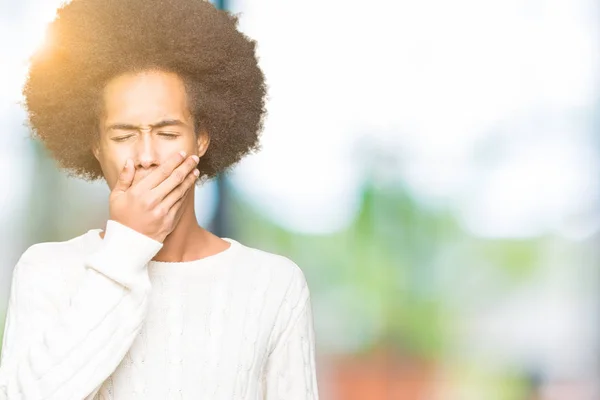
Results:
124 254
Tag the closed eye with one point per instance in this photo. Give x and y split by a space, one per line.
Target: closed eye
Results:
169 135
121 138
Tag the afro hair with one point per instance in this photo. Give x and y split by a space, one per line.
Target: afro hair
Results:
92 41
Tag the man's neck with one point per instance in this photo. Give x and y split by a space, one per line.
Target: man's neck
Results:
188 241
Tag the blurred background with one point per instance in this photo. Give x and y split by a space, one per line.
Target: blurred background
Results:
432 166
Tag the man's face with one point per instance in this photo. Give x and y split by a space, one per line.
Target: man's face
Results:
146 118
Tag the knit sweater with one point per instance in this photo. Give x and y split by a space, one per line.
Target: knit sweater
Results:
98 319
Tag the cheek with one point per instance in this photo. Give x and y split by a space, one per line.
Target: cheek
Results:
111 165
167 148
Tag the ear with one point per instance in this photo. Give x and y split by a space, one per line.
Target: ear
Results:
96 151
203 142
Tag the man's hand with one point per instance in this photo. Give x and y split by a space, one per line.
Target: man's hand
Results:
152 205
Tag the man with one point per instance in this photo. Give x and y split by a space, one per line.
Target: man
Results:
153 96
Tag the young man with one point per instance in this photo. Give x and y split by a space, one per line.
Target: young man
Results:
153 96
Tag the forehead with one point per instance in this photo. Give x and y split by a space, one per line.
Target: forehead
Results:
144 98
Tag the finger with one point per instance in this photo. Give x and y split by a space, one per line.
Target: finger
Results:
163 172
176 210
176 178
174 215
180 192
125 177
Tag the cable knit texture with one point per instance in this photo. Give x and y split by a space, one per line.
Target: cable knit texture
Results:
97 319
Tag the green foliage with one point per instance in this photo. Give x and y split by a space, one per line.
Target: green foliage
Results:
391 257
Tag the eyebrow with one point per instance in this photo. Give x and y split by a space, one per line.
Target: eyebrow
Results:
161 124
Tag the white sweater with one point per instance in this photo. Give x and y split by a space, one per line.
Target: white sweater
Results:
98 319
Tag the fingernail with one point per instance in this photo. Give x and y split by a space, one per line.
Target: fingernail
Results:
183 154
196 172
196 158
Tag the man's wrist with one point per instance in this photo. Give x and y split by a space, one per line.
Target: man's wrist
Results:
124 254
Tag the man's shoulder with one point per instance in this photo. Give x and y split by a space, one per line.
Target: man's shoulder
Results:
52 252
270 259
280 268
50 270
53 248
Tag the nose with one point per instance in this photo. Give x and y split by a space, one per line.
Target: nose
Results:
146 156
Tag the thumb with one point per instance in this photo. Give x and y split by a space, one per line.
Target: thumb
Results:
125 177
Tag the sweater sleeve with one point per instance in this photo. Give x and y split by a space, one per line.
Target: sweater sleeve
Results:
290 372
69 355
